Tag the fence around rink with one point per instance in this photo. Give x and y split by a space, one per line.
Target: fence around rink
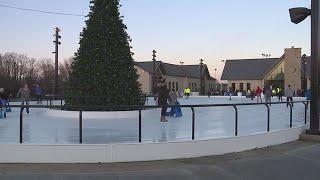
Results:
82 109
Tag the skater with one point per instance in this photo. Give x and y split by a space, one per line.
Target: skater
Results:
258 94
162 100
4 102
187 92
24 95
289 95
280 94
38 92
209 93
230 93
268 94
173 102
252 94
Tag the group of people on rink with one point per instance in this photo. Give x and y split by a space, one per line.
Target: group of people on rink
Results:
169 97
268 92
24 95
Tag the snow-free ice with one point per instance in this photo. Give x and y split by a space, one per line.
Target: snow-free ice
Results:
45 126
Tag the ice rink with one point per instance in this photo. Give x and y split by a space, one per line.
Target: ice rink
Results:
45 126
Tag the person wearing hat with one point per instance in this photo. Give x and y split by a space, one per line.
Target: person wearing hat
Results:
163 99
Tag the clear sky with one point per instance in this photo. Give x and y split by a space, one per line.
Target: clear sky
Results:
180 30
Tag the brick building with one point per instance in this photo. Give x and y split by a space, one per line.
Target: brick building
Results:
178 77
244 74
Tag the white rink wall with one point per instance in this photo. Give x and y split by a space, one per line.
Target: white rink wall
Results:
16 153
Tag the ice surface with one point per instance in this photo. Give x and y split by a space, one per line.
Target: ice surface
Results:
45 126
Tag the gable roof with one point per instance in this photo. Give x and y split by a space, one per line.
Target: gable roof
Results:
249 69
148 65
191 71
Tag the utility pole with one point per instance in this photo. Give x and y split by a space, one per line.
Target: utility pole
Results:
154 71
201 78
56 64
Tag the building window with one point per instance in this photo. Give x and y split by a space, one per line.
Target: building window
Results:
177 86
241 87
169 85
189 85
248 86
233 86
172 86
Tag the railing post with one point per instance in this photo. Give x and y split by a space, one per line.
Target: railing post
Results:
80 127
140 130
290 115
193 122
236 120
305 111
21 126
268 120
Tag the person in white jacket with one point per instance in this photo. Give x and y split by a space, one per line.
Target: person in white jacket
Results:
289 94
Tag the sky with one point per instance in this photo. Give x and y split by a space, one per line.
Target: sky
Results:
179 30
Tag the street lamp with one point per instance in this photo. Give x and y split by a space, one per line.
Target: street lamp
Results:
154 71
215 73
266 55
201 78
303 78
297 15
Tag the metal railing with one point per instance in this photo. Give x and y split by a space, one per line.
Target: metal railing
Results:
81 109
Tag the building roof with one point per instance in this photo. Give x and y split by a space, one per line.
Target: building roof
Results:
148 65
191 71
249 69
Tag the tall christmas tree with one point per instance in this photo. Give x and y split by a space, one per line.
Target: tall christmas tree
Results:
103 65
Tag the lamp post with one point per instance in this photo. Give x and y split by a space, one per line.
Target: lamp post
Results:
215 73
303 78
154 71
297 15
201 78
266 56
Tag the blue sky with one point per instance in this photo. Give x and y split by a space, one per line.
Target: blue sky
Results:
180 30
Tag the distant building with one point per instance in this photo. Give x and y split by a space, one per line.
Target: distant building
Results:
245 74
178 77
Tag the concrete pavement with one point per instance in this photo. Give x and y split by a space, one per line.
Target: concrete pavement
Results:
295 161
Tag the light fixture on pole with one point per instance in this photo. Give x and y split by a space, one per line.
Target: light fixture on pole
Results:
303 79
154 71
297 15
215 73
266 55
201 78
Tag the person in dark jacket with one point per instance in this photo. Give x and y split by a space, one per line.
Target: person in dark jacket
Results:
4 102
163 100
38 92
